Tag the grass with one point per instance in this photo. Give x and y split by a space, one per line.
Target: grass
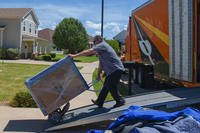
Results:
86 59
13 76
58 57
97 87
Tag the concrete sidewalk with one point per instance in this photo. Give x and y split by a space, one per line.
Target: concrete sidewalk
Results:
31 119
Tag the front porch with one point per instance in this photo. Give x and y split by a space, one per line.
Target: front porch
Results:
31 47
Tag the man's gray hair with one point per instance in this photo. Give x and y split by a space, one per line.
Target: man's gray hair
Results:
98 38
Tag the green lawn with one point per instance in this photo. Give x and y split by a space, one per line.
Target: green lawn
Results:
13 76
58 57
86 59
97 87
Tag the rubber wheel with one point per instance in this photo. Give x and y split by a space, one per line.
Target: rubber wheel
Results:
55 117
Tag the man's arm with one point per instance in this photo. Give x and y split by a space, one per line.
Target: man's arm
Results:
87 52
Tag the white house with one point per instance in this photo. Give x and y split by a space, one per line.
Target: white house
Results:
19 29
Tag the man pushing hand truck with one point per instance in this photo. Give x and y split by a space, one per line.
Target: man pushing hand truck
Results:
110 63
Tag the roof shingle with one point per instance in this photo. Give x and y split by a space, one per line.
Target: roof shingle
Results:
13 13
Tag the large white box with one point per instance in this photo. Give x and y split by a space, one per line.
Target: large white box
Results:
56 85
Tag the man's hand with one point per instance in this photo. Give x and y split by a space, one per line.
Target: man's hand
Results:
71 55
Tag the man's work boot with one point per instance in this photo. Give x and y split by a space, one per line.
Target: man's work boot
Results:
96 103
118 104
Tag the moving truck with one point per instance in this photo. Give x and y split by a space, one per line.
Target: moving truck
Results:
165 35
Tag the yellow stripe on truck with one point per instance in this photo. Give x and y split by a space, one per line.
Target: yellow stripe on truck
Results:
161 35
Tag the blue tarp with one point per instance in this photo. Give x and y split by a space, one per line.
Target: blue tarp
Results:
137 113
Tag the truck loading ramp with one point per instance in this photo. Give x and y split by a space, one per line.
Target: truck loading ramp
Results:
166 99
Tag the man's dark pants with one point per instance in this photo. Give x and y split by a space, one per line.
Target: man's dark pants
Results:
110 84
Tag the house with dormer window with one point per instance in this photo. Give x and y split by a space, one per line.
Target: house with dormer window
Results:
19 29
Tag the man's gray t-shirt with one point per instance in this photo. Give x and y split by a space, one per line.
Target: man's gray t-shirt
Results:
108 58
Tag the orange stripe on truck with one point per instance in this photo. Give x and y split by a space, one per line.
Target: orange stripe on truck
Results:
164 37
159 44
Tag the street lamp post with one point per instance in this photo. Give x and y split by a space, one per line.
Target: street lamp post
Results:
102 12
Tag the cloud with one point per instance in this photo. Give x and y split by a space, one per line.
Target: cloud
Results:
125 27
92 25
113 26
110 28
97 33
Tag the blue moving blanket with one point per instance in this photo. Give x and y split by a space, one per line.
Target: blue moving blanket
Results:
154 121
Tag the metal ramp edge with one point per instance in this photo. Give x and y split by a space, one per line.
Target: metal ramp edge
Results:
167 99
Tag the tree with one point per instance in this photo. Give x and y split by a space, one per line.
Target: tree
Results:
70 34
114 44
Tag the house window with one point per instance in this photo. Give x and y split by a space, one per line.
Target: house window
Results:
24 27
30 28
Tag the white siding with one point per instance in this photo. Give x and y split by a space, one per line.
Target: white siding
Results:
185 41
29 23
181 36
177 39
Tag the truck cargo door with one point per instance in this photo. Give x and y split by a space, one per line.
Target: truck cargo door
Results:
181 39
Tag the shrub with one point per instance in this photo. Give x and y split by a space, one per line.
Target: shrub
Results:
38 57
12 53
23 99
66 51
2 53
46 57
53 55
43 57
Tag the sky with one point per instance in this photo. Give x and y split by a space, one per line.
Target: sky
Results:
88 12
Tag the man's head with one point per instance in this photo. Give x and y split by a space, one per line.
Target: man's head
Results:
97 39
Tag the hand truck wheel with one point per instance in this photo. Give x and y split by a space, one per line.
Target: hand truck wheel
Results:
55 117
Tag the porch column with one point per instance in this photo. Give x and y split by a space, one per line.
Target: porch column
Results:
40 50
1 35
33 47
36 48
45 50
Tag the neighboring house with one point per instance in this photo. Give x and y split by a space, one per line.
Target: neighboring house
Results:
120 37
20 30
91 41
47 43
